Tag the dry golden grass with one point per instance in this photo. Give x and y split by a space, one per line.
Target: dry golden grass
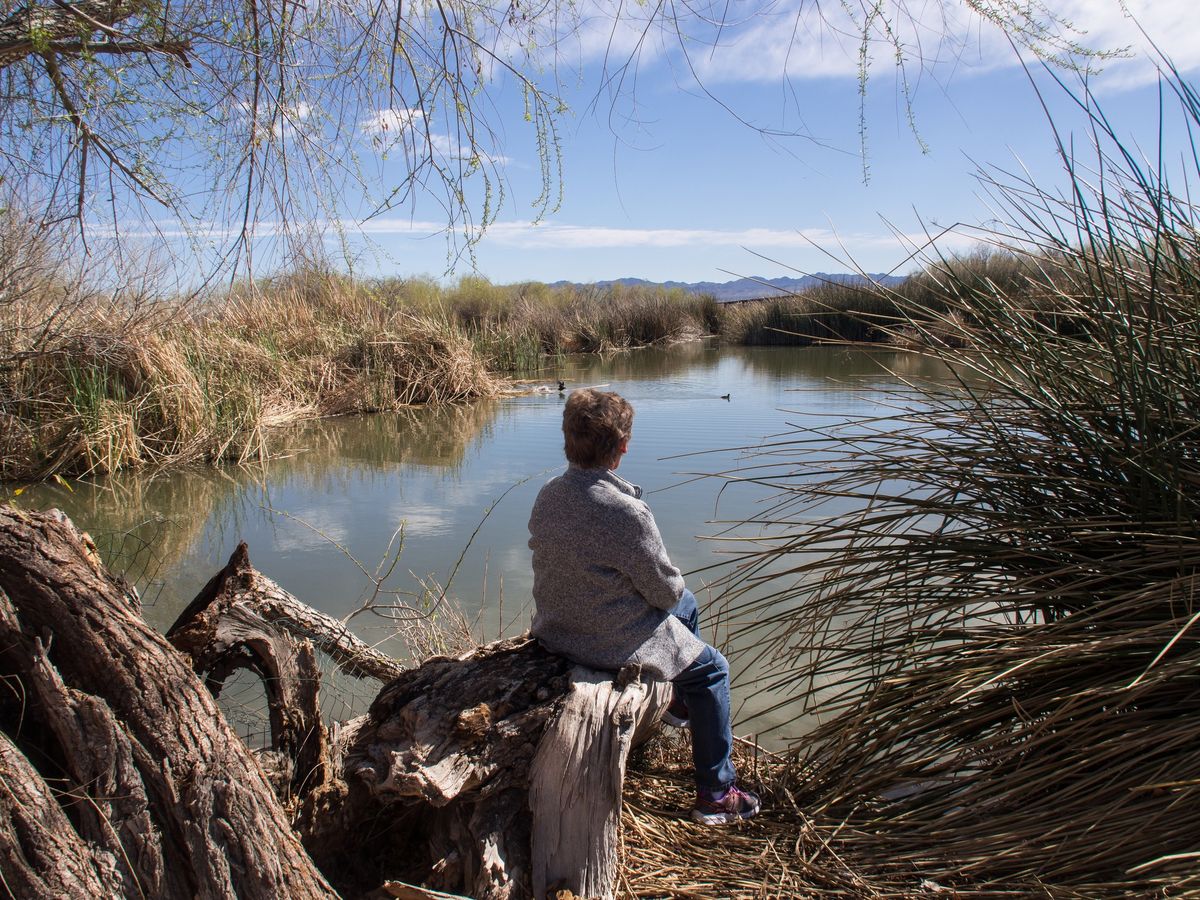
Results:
105 383
780 853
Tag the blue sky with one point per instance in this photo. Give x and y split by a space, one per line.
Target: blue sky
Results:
746 157
692 194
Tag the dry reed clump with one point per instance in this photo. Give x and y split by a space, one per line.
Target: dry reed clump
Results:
515 326
422 361
512 327
1001 638
356 349
622 322
96 401
100 383
932 306
780 853
832 313
546 324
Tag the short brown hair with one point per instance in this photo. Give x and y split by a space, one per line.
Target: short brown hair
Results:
595 424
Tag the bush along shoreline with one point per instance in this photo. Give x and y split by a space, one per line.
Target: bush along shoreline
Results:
92 382
91 387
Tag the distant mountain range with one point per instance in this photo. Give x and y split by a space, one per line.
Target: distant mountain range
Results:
746 288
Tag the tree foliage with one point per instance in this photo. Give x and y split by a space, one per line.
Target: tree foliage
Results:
233 119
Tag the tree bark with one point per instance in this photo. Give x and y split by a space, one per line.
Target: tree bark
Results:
41 855
51 22
160 797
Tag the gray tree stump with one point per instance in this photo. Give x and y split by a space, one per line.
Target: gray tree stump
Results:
577 776
521 757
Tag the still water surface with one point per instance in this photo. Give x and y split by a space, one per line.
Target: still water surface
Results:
341 487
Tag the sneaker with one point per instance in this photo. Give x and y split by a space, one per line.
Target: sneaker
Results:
676 715
734 804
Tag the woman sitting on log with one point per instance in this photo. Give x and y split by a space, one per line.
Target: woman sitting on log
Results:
607 595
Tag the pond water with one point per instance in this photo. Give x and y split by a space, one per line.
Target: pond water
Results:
462 480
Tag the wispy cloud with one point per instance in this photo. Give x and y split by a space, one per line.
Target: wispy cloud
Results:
800 40
560 236
556 236
282 121
393 121
535 236
1172 25
408 130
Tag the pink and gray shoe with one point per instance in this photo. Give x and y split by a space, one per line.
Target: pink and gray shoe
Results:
721 808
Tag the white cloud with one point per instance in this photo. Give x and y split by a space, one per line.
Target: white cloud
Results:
814 41
448 147
280 120
1170 24
408 130
616 32
554 236
540 237
395 121
801 40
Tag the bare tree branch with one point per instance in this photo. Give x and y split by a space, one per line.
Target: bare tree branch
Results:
249 121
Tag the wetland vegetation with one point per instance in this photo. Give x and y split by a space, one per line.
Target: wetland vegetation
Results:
987 592
94 380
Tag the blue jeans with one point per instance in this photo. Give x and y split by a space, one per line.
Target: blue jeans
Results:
704 688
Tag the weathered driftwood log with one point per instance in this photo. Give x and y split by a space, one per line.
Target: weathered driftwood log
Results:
457 736
522 756
240 595
447 753
577 776
119 777
243 620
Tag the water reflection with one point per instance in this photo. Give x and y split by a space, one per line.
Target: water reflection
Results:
651 363
462 479
437 437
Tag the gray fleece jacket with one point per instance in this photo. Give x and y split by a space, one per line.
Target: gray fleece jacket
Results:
602 581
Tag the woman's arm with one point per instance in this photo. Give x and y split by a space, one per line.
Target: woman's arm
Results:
646 561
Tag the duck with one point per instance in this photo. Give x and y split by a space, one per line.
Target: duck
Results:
724 396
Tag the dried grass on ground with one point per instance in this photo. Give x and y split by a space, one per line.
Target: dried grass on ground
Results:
781 853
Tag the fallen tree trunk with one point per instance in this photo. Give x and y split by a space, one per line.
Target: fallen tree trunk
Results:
497 774
239 596
243 620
